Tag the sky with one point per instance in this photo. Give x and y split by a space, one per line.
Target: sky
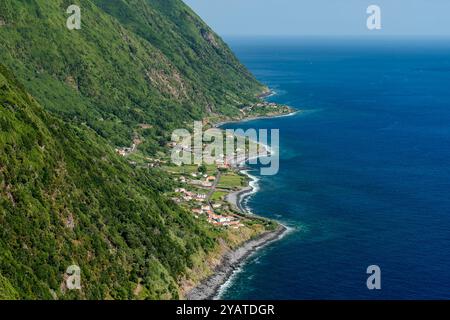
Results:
323 17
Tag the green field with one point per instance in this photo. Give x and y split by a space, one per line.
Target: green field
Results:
231 181
218 195
188 169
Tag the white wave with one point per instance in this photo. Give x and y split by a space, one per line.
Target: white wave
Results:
230 281
272 94
254 184
288 115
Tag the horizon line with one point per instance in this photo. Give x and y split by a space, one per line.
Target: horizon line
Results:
418 36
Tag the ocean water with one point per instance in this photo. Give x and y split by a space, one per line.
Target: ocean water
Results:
365 169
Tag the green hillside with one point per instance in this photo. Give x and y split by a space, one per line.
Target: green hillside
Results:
65 198
67 99
133 62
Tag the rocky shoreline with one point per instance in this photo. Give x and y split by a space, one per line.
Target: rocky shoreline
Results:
280 115
209 288
231 261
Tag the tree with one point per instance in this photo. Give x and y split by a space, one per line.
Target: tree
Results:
202 169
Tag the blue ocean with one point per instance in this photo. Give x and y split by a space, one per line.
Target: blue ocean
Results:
364 169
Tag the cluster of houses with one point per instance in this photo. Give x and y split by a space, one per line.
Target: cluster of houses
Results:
189 195
207 209
207 183
125 151
220 160
261 105
205 176
265 104
215 219
202 206
223 164
154 163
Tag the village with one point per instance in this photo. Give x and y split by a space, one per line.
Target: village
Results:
206 189
200 189
210 190
203 191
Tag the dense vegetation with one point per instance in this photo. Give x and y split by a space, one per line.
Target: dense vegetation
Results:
133 62
67 98
67 199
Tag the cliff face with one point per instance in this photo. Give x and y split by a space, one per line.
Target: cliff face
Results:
66 98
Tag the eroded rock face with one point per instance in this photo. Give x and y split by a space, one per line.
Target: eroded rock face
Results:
209 36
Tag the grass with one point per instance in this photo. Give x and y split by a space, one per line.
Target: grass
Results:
187 170
212 169
218 195
231 181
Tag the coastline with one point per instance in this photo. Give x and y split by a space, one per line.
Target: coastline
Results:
237 198
222 123
231 261
210 288
264 95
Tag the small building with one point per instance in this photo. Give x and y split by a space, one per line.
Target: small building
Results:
218 219
206 184
121 152
223 219
234 223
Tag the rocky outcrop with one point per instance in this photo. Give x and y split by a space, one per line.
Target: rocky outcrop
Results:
209 37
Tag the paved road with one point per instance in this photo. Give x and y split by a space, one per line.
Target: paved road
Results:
213 188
